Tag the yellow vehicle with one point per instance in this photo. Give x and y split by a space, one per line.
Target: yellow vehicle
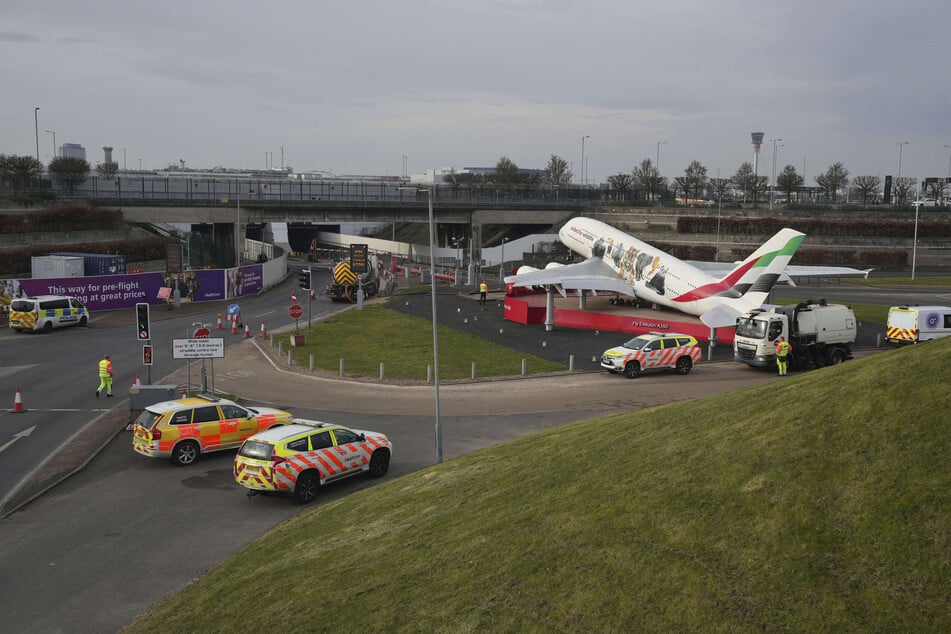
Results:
298 459
183 429
46 312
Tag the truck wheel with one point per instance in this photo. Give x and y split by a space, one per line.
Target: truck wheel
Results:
632 370
683 365
836 357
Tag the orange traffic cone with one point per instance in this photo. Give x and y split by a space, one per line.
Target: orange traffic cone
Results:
136 382
18 403
220 326
262 329
234 325
184 392
247 331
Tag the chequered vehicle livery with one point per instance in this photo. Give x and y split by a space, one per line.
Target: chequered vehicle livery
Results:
185 428
653 351
299 458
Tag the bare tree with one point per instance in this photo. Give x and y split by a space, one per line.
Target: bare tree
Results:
749 183
834 179
648 179
682 184
696 175
866 188
108 170
20 170
557 173
934 188
789 181
69 171
903 187
621 185
719 187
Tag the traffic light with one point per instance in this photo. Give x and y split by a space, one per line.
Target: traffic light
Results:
146 355
143 326
303 279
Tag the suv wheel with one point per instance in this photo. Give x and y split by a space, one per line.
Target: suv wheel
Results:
379 463
632 369
683 365
307 486
185 453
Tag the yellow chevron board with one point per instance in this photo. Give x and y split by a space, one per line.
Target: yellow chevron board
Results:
343 274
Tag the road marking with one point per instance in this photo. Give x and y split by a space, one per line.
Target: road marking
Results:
4 372
23 434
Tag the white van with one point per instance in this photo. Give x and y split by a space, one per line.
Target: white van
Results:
46 312
911 324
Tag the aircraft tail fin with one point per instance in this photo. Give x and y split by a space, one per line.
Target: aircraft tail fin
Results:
754 277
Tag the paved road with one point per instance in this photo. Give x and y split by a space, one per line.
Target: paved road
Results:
126 530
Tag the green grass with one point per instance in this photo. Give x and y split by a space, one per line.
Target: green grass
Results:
819 503
901 281
405 347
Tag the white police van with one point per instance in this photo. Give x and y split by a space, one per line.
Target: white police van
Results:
45 312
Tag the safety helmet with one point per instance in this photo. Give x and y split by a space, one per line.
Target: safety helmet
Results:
105 356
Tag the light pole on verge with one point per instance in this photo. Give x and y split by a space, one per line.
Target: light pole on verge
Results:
900 145
432 279
502 262
587 136
53 132
36 125
772 188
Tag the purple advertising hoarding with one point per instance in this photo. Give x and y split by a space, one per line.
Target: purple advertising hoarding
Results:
109 292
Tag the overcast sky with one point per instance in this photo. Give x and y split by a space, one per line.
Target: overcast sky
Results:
351 87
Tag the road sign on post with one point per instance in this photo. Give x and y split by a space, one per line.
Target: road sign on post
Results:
202 333
295 311
293 297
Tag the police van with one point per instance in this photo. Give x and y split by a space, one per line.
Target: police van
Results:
45 312
912 324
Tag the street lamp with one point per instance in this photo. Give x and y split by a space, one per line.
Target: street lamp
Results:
900 147
502 263
948 182
53 132
587 136
657 160
36 125
772 187
432 279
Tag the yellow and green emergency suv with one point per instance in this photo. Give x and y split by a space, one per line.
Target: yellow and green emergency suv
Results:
298 459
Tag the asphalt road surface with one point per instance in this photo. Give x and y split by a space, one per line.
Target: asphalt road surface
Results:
96 550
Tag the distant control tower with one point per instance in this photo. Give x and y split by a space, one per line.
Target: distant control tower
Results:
757 141
108 152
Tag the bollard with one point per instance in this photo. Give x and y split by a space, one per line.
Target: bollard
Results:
429 373
382 373
524 367
290 359
280 347
311 363
272 340
473 370
878 340
571 363
341 368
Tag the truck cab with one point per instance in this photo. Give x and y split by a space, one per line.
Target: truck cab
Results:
819 333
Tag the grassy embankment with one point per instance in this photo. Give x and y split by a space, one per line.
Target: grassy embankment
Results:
817 503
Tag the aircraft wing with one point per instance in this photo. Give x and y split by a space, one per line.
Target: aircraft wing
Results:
792 270
592 274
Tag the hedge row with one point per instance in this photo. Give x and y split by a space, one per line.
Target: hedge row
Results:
18 261
814 227
61 218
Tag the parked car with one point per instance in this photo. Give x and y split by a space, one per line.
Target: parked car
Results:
653 351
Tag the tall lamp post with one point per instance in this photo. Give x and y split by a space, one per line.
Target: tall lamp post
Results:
948 183
657 164
432 279
900 145
502 262
772 185
53 132
914 241
587 136
36 125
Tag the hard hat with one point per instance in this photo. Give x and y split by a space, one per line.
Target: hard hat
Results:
105 356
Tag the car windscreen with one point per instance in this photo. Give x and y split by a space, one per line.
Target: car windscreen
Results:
256 450
752 328
636 343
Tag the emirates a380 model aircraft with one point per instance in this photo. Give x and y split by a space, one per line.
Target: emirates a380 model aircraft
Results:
620 263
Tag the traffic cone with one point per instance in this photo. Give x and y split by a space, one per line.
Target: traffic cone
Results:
18 403
136 382
262 329
234 325
184 392
220 326
247 331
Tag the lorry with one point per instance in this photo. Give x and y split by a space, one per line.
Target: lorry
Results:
346 283
912 324
820 334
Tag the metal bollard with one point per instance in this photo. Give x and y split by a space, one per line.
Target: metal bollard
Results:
473 370
571 363
341 368
311 363
524 367
429 373
290 359
280 347
382 373
271 339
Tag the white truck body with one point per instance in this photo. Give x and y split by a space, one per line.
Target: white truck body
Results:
819 333
911 324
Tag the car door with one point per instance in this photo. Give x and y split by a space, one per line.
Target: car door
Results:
209 428
348 450
652 353
236 426
324 456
